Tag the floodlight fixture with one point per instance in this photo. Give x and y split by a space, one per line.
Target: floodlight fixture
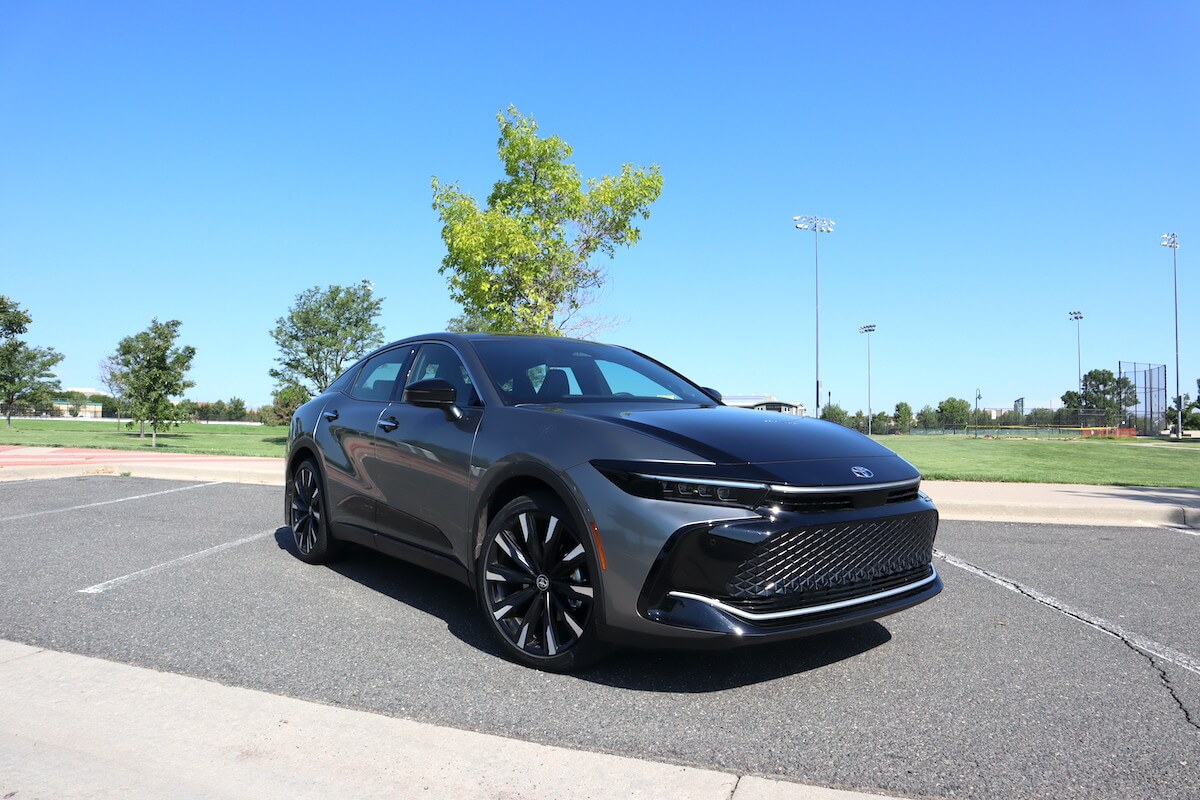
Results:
817 225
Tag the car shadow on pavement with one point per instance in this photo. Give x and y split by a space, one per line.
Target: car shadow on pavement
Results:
689 671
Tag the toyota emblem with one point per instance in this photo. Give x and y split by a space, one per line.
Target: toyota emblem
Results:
862 472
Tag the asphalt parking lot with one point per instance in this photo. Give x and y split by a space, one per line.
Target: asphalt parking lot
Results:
1061 661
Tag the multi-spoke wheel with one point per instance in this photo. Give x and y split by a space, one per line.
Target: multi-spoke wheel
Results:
538 586
306 503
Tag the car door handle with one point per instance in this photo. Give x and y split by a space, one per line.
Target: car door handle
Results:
330 416
390 424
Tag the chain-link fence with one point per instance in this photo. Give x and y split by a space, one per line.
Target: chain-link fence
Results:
1149 414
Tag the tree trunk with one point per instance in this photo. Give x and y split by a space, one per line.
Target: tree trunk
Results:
142 431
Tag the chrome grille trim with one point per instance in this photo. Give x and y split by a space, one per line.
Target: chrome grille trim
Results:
799 612
855 487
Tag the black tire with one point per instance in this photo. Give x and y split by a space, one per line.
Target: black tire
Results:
308 517
538 587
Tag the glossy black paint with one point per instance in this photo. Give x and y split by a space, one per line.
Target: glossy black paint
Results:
418 477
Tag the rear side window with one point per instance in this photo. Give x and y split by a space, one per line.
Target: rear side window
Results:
377 379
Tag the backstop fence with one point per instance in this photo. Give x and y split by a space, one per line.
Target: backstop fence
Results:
1149 414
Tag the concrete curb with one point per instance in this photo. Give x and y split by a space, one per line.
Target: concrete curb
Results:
1059 515
80 727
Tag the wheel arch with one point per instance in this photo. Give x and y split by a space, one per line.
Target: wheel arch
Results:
520 479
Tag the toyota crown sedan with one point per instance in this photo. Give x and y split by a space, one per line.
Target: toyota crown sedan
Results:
591 497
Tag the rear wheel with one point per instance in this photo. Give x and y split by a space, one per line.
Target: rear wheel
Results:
538 585
307 515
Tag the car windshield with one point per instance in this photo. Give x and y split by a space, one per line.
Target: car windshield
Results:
569 371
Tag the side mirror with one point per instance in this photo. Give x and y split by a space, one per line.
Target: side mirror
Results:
434 393
713 393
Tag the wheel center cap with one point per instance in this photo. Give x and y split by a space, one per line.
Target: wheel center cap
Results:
542 583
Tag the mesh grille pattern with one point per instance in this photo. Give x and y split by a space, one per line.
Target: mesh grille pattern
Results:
818 558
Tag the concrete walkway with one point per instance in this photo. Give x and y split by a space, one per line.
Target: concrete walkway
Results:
76 727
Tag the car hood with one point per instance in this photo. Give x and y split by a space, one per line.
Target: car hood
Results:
736 436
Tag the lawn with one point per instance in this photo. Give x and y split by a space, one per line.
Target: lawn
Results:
959 458
200 437
1092 461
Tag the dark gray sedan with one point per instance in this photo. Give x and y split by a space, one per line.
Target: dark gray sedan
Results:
591 496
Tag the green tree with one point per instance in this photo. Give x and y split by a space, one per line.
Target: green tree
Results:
155 371
324 332
188 409
217 411
26 373
1011 419
1040 417
904 418
953 412
859 421
835 413
523 262
1103 392
881 423
113 379
286 400
927 418
1191 413
235 411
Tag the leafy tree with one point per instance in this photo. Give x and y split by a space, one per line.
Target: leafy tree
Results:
1103 391
881 423
324 332
217 410
927 418
522 263
904 418
155 372
287 399
953 412
835 413
236 410
859 421
188 409
113 379
26 373
1011 419
1191 413
1041 417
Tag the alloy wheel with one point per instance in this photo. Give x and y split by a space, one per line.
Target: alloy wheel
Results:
306 508
538 587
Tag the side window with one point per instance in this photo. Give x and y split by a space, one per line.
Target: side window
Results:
377 378
441 362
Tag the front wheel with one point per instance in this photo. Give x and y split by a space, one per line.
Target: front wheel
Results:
308 515
538 585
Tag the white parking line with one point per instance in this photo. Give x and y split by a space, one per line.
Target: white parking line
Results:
1148 646
109 502
104 587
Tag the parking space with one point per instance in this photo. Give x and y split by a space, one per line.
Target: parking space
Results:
982 692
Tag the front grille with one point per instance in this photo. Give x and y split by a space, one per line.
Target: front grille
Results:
815 564
825 502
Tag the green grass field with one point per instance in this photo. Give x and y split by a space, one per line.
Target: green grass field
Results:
1094 461
959 458
215 438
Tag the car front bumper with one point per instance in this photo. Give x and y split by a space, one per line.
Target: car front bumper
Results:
678 576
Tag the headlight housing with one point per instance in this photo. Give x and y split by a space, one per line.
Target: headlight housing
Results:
649 481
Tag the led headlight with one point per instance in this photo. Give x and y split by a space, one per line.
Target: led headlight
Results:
686 489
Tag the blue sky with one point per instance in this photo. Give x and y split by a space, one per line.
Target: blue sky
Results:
990 168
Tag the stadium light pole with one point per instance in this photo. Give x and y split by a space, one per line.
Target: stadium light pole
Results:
1172 241
868 330
1077 316
817 225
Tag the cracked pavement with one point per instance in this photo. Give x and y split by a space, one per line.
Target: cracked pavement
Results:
1078 681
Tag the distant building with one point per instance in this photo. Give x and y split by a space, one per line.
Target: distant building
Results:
764 402
87 410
